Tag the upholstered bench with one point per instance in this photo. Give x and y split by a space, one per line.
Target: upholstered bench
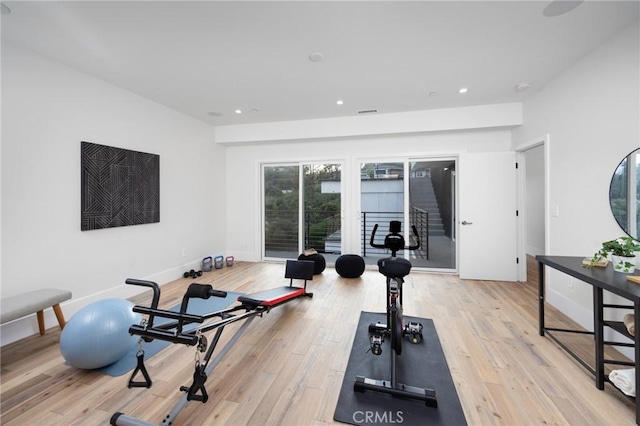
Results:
36 301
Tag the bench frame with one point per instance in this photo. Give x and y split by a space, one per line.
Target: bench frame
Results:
28 303
59 316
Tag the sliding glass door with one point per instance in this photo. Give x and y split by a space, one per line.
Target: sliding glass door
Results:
303 203
302 209
418 193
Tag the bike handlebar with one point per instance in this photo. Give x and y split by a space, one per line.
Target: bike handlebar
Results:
373 235
384 246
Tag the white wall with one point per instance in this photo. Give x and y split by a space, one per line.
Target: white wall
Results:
592 114
47 110
244 198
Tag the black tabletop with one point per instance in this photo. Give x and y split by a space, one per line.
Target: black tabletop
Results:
607 278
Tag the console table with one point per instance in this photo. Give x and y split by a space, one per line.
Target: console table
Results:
600 279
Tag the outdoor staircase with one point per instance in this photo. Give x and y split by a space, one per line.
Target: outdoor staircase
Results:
423 197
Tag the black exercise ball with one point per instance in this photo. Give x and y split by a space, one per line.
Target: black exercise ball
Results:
350 266
319 262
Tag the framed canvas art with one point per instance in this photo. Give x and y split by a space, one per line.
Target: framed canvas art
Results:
120 187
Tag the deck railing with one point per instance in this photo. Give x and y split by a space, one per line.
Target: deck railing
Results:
419 218
323 230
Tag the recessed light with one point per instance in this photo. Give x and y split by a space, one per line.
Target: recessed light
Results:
560 7
522 87
433 93
339 102
463 90
238 111
215 114
316 56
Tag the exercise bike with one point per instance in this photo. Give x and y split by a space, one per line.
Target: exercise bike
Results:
394 269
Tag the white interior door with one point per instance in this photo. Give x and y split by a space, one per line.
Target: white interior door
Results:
487 219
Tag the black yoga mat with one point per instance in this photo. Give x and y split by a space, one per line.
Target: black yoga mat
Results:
196 306
421 365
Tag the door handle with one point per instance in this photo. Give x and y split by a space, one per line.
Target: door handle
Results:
464 222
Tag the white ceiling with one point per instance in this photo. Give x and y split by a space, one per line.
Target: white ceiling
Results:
205 57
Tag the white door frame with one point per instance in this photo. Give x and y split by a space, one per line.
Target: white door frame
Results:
521 198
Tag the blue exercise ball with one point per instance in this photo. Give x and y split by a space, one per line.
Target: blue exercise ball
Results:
98 334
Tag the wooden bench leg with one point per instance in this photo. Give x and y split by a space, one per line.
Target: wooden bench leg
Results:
59 316
40 315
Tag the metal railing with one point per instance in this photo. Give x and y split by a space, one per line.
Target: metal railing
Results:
369 221
281 230
322 230
419 218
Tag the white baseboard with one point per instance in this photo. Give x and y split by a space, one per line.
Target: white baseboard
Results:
246 256
584 317
28 326
578 313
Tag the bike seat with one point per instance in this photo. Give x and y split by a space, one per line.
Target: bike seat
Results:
394 267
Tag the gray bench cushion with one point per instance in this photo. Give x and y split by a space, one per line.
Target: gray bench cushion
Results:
28 303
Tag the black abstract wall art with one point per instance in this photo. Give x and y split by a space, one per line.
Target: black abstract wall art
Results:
120 187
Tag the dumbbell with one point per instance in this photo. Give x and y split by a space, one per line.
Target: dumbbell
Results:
193 274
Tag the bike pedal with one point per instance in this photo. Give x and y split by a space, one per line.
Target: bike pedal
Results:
415 330
376 344
416 339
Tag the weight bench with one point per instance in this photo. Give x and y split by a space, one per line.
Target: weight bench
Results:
36 301
273 297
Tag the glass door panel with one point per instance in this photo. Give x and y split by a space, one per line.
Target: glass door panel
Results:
302 210
381 201
281 211
432 212
322 228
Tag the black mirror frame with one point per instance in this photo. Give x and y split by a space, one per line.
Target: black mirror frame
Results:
614 208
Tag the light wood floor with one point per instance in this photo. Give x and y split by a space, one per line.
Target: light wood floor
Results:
288 367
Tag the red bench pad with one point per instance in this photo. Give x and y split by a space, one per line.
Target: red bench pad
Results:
272 296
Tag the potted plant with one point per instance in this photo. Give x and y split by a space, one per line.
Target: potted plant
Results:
622 252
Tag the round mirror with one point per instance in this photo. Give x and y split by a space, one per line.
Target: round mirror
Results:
624 194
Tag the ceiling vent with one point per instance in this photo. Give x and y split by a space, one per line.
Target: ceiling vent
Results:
367 111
